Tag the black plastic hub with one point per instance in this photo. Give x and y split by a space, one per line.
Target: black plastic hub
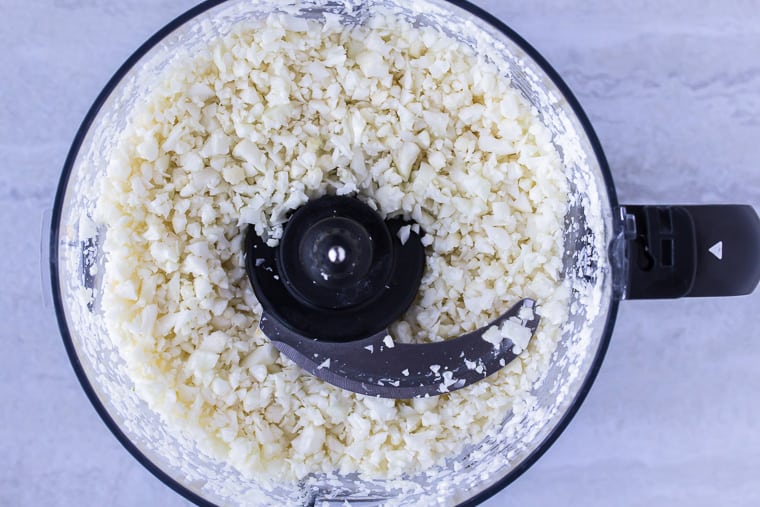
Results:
340 273
336 253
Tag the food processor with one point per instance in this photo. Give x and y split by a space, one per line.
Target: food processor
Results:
342 257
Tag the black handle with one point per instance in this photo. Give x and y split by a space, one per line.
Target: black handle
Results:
693 251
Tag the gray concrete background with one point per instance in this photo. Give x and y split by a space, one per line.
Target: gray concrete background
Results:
673 89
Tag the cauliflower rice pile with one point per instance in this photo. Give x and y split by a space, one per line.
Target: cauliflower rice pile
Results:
276 113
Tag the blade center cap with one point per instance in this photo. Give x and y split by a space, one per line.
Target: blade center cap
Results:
336 252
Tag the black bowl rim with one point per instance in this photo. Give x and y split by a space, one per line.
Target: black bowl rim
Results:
58 207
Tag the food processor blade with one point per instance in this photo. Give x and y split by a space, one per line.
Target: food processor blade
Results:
378 366
338 277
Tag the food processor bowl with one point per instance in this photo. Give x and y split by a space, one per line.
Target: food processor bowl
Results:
597 235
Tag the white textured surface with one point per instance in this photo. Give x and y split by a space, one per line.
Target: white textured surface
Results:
673 89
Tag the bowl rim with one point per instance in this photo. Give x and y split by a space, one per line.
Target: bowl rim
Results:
68 166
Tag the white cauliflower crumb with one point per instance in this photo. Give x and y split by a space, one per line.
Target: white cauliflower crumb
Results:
281 111
403 233
526 314
493 336
518 334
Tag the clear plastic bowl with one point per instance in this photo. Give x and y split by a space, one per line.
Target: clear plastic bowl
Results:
76 263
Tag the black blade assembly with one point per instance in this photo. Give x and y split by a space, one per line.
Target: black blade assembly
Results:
338 278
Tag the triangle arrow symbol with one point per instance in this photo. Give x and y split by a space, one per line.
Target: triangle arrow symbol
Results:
717 250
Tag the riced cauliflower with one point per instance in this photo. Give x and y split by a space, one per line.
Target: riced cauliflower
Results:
283 110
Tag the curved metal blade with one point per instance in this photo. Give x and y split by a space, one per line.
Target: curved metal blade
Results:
376 366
